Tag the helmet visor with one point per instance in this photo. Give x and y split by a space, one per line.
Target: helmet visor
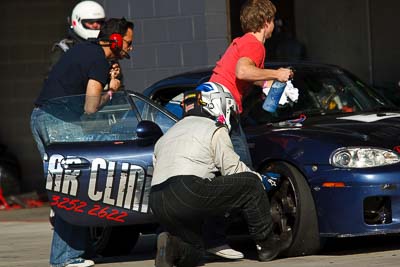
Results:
92 24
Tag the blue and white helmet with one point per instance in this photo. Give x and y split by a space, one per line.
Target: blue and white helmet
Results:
218 102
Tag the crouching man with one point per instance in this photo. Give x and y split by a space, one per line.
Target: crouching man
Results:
185 190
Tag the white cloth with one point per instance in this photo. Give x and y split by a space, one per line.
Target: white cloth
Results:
290 93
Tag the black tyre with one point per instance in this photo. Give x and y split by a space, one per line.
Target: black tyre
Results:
293 211
114 241
9 180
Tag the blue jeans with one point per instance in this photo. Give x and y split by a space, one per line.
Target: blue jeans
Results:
69 241
240 146
38 130
47 128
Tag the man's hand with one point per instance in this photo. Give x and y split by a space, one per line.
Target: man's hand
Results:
115 70
284 74
115 83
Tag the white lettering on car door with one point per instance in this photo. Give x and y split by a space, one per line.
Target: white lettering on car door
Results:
133 186
97 164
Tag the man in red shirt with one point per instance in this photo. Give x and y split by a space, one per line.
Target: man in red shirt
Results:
243 62
241 66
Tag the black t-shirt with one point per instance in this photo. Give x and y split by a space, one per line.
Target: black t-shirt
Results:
72 72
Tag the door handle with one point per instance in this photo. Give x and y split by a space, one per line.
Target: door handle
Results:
75 163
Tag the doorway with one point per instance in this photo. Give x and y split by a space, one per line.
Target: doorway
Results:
283 44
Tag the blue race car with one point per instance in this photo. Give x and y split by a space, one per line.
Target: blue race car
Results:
336 148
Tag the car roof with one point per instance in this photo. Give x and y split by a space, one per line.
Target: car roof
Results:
189 77
201 75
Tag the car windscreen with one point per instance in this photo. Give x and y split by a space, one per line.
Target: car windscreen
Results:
321 91
64 120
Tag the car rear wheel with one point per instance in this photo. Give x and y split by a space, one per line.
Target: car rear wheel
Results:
293 211
9 180
114 241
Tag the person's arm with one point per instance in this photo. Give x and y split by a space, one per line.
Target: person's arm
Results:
115 76
225 158
115 71
94 97
115 82
246 70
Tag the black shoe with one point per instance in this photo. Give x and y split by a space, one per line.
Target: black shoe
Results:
286 239
167 250
273 245
268 249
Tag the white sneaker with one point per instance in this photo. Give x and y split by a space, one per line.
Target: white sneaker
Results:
79 262
225 251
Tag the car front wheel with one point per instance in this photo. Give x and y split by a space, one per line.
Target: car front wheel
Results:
293 211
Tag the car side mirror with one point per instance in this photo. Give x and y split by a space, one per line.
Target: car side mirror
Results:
148 131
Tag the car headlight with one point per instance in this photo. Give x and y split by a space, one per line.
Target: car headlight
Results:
363 157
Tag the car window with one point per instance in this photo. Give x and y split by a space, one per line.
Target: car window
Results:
149 111
171 98
321 91
65 121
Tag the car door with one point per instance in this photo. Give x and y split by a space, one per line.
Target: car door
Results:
98 167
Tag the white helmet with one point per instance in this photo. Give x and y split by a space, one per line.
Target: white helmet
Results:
218 102
83 12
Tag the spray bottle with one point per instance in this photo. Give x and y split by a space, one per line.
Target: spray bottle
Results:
271 102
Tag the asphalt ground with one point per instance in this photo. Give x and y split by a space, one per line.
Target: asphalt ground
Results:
25 237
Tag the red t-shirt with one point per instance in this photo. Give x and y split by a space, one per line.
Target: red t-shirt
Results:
224 71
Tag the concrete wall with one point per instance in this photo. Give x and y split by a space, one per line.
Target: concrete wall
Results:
360 35
385 42
28 29
171 36
335 31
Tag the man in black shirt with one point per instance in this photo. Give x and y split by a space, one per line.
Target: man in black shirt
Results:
84 69
84 24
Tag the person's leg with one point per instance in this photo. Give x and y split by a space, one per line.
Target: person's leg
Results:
223 194
215 240
47 128
69 242
37 131
245 191
240 145
214 229
188 200
181 245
